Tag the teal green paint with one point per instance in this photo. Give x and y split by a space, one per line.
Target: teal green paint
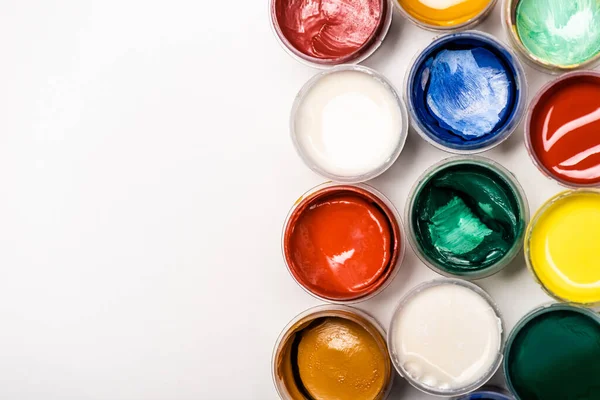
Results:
556 356
466 218
561 32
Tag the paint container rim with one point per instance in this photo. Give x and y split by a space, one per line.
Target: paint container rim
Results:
510 27
476 20
491 391
510 179
393 212
387 84
531 227
519 105
525 320
440 282
326 310
546 89
356 57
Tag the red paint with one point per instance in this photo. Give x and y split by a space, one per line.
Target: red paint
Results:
564 129
331 30
342 243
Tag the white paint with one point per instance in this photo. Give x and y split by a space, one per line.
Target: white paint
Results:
349 124
447 337
441 4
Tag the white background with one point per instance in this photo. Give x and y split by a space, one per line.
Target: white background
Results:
145 173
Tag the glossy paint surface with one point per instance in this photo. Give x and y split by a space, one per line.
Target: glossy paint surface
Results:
560 32
446 337
444 13
342 244
563 247
554 356
565 130
329 29
466 218
463 91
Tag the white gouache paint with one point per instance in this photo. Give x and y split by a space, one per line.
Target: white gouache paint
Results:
348 124
447 337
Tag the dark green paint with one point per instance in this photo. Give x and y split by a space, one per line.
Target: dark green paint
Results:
556 356
466 218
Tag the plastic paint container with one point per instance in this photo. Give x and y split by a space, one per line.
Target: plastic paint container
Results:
554 36
466 217
466 92
487 393
348 124
562 129
561 246
326 342
446 337
343 243
553 353
337 32
445 15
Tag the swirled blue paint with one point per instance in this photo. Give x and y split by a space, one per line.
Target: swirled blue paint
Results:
464 91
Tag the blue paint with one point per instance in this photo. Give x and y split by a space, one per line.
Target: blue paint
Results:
464 91
486 395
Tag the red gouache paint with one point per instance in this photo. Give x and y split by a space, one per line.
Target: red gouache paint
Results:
342 243
331 30
564 129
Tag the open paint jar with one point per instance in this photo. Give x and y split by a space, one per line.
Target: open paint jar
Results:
466 92
343 243
445 15
554 35
466 217
562 129
562 244
348 124
446 337
330 32
332 352
487 393
553 353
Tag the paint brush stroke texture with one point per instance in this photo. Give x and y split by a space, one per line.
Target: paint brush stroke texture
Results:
561 32
468 91
466 218
329 29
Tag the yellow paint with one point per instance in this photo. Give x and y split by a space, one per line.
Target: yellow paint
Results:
444 13
564 246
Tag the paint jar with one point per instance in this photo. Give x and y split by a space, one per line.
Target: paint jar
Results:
466 217
348 124
343 243
445 15
446 337
305 365
553 353
337 32
466 92
562 129
561 247
554 36
487 393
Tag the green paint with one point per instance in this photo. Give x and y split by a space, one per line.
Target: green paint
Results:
556 356
466 218
561 32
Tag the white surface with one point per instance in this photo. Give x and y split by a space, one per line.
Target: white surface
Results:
447 337
145 173
349 147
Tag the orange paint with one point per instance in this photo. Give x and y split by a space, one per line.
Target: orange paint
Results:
342 242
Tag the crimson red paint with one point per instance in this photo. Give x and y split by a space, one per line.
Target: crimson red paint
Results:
564 129
342 242
329 30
